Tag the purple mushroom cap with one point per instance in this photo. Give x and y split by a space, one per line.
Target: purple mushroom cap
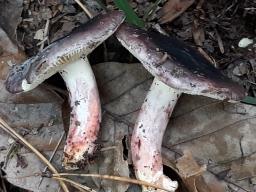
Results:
177 64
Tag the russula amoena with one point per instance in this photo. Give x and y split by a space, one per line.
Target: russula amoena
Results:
177 69
68 56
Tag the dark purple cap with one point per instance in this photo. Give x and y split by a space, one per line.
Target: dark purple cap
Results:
177 64
56 56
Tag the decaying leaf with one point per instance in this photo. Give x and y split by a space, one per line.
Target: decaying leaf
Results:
37 116
214 184
188 167
198 33
9 54
191 173
172 9
197 28
216 133
10 14
210 129
41 124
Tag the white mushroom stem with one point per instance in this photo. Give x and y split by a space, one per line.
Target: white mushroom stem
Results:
85 116
148 134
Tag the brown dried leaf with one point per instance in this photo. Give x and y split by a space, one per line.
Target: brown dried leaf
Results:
210 129
188 167
10 14
172 9
41 125
220 42
9 54
244 168
19 176
191 172
198 33
213 183
197 28
36 115
217 133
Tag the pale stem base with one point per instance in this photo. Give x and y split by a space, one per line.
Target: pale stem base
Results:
85 115
148 135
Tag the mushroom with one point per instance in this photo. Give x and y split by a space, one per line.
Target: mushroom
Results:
177 69
68 56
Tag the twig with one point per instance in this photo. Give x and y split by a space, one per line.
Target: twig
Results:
75 184
114 178
53 153
14 134
246 177
84 8
46 30
219 40
10 152
250 8
151 10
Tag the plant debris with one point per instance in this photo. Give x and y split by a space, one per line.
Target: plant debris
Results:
209 145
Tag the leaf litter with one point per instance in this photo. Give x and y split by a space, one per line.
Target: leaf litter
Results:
202 131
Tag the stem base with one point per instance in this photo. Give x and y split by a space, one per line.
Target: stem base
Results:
148 134
85 116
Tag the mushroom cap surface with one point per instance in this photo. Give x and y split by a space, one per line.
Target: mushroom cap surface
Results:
177 64
60 53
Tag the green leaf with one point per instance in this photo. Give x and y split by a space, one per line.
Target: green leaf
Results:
249 100
131 16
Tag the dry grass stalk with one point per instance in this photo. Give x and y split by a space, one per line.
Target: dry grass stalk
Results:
75 184
113 178
14 134
84 8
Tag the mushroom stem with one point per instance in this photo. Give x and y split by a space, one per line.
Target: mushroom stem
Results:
85 112
148 134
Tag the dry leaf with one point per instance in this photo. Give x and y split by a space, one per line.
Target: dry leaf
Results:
191 172
217 133
188 167
41 125
198 33
9 54
213 183
37 116
10 14
197 28
210 129
172 9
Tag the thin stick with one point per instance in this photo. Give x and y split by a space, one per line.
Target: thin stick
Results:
8 129
114 178
46 30
52 155
75 184
84 8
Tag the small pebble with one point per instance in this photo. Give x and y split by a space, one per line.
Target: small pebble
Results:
245 42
